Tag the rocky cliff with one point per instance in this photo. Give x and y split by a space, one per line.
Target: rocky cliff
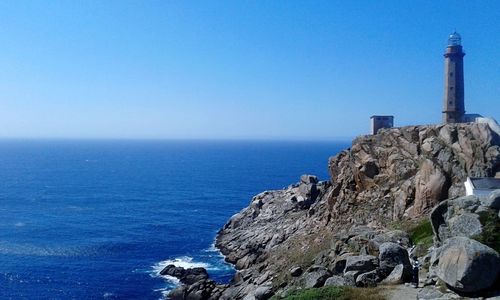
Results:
336 232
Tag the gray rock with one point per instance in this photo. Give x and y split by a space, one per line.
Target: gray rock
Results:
394 236
431 293
200 290
368 279
296 271
335 280
338 266
316 278
396 276
350 277
391 255
492 200
467 265
178 293
186 276
364 263
466 224
457 217
263 292
308 179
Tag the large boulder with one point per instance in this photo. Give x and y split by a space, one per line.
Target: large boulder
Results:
368 279
396 276
316 278
263 292
363 263
335 280
391 255
467 265
492 200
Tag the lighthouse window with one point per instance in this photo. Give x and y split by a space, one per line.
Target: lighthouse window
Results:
451 88
451 73
450 102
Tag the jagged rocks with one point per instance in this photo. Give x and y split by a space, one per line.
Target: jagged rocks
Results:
201 290
416 168
397 174
186 276
467 265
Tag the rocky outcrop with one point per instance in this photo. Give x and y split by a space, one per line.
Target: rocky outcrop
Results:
459 258
406 171
316 233
195 284
186 276
462 216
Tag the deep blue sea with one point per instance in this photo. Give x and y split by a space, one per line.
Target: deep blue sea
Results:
83 219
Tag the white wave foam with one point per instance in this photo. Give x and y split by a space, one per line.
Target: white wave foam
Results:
164 292
185 262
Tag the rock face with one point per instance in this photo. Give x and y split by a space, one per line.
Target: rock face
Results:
467 265
398 173
417 167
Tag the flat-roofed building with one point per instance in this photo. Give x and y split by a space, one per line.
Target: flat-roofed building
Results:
479 186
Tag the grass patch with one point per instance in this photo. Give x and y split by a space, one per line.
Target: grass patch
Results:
335 293
422 233
491 230
300 252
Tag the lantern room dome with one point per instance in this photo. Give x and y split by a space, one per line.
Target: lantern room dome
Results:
454 39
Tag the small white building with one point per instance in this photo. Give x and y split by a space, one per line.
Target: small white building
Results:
479 186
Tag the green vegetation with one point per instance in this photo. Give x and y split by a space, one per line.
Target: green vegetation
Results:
491 230
422 233
335 293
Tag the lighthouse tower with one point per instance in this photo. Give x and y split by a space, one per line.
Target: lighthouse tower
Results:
453 102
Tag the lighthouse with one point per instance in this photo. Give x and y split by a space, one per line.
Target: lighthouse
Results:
453 102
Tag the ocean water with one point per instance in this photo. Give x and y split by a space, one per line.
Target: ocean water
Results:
99 219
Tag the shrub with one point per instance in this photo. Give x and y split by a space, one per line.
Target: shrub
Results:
422 233
490 236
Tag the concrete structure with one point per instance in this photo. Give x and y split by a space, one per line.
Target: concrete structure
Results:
480 186
453 102
469 118
378 122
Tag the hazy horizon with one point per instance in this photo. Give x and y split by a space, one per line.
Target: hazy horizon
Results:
244 70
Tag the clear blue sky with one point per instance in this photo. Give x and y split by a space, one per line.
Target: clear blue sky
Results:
236 69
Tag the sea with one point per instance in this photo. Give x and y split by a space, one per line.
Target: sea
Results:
99 219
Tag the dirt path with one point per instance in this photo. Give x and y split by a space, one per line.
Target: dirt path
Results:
401 292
